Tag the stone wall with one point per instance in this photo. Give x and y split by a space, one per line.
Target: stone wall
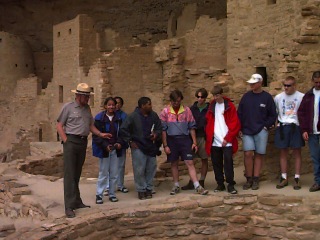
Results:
44 67
198 59
197 217
16 62
206 45
283 46
22 118
133 73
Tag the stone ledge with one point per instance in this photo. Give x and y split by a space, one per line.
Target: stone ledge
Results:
239 219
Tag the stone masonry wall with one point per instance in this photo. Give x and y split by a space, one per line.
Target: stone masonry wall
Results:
131 74
283 46
206 44
16 62
194 60
44 66
22 117
197 217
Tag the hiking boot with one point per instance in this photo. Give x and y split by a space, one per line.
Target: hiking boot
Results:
296 184
148 194
200 190
220 188
70 213
201 182
142 195
189 186
231 189
283 183
315 187
248 184
175 190
255 184
99 200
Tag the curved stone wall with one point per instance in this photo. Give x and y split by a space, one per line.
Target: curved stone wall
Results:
193 217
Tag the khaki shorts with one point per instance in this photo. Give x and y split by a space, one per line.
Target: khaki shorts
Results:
201 153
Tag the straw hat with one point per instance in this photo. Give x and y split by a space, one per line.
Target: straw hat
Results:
83 89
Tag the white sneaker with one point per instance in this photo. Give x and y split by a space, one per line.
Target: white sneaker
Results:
175 190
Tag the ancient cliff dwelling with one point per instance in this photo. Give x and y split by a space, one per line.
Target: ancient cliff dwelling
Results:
134 48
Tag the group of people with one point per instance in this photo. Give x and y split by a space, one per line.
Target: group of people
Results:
295 117
205 129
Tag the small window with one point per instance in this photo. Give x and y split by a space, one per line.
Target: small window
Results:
16 65
69 30
40 134
58 34
60 94
270 2
263 72
0 40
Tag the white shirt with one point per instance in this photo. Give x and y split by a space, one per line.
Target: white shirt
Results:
220 126
287 107
316 110
110 117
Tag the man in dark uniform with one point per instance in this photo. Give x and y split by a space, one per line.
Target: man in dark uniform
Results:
74 125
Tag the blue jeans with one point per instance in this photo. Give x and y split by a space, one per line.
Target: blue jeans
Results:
122 165
144 169
314 148
108 169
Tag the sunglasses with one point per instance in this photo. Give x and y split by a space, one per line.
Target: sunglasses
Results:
201 97
287 85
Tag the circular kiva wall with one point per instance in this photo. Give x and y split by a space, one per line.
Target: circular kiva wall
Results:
16 60
193 217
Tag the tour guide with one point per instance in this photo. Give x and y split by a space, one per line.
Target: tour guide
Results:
74 125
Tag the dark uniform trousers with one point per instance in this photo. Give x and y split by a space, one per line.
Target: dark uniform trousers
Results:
74 154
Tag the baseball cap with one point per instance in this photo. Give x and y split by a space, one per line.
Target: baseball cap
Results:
255 78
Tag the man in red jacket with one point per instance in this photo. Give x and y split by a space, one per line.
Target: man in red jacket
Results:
222 128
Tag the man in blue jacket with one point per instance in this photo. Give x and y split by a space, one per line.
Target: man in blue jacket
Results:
257 113
142 129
